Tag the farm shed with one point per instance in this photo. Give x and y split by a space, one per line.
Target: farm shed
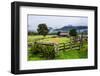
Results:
63 34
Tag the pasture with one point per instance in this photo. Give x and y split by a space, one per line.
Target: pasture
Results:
63 54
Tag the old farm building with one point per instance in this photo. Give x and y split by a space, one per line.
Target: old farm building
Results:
64 34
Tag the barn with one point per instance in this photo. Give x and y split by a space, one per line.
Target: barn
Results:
64 34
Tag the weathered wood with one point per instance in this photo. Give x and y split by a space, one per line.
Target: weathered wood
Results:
60 46
67 46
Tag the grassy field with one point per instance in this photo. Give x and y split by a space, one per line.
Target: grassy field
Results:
64 54
56 40
32 38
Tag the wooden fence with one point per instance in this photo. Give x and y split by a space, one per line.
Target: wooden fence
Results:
68 46
60 46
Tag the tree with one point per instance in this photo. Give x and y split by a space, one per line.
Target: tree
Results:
58 33
43 29
73 33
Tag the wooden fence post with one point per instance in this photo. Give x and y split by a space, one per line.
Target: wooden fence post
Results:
56 49
70 46
81 40
64 46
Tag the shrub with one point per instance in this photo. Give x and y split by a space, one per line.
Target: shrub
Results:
35 49
32 33
46 51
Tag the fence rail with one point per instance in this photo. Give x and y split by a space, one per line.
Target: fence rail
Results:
68 46
60 46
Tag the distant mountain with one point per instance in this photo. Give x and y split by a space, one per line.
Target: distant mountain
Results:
50 28
67 28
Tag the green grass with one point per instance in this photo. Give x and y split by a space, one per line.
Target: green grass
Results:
72 54
35 57
56 40
63 54
32 38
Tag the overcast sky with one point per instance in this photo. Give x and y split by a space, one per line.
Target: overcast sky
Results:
55 21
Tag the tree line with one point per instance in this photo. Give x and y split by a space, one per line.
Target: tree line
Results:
43 30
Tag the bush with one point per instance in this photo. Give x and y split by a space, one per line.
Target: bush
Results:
52 33
32 33
46 51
